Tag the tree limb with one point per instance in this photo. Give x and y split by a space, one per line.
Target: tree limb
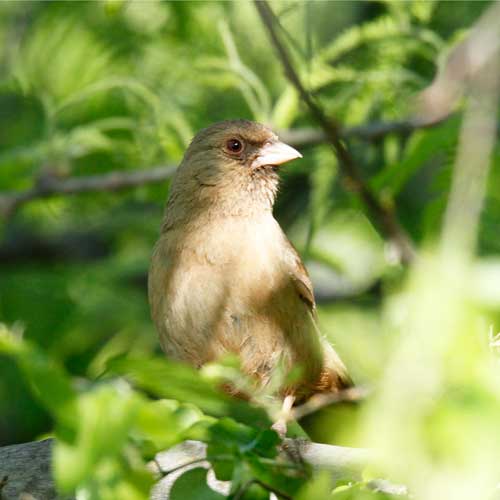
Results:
50 185
461 69
332 130
20 245
309 136
321 400
25 469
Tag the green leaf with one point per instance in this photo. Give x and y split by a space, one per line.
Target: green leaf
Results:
229 438
252 491
162 423
319 487
281 479
370 32
266 443
423 146
113 479
105 419
357 491
192 485
227 430
286 108
173 380
223 469
252 88
49 382
55 65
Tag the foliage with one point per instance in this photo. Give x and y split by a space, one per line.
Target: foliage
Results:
87 88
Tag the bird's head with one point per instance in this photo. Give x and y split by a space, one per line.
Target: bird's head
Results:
231 165
238 145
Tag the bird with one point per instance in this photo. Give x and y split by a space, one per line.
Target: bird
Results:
225 279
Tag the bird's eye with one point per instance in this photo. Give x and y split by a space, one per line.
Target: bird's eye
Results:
234 146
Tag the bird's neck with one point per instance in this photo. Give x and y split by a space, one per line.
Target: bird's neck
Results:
242 196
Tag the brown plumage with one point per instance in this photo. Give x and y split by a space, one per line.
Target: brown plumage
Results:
224 278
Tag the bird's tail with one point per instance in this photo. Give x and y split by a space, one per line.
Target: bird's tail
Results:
334 376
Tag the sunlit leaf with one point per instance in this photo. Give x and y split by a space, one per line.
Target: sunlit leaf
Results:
178 381
192 485
49 382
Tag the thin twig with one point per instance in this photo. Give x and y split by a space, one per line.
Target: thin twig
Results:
223 458
473 163
385 217
49 186
318 401
308 136
241 492
217 458
461 68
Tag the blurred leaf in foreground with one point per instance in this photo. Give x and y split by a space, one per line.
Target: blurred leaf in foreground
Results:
173 380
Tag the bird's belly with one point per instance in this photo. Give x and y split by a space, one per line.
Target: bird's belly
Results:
209 313
226 298
252 315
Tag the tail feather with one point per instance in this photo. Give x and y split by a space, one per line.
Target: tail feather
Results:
334 376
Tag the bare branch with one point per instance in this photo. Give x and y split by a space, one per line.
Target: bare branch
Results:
50 186
461 69
25 469
303 137
277 493
321 400
28 466
434 105
332 130
477 142
54 186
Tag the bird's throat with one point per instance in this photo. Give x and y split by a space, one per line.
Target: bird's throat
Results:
247 195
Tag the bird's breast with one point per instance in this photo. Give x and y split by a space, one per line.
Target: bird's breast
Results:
226 289
242 247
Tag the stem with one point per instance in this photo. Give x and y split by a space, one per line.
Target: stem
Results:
350 170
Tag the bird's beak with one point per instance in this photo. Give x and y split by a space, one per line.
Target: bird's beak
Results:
275 153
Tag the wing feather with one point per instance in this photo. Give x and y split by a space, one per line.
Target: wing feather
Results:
334 375
300 278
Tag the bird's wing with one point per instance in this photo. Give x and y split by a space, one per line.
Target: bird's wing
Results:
300 278
156 286
334 375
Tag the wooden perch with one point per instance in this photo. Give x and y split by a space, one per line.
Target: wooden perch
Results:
25 471
25 468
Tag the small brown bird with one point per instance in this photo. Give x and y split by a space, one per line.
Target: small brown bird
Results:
224 278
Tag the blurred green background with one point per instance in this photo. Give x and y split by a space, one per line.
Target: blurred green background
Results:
92 87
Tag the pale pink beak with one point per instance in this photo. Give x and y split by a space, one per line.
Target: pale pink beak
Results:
275 153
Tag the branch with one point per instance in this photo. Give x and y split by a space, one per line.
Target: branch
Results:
478 137
462 68
320 400
25 469
434 105
48 186
19 245
308 136
332 130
